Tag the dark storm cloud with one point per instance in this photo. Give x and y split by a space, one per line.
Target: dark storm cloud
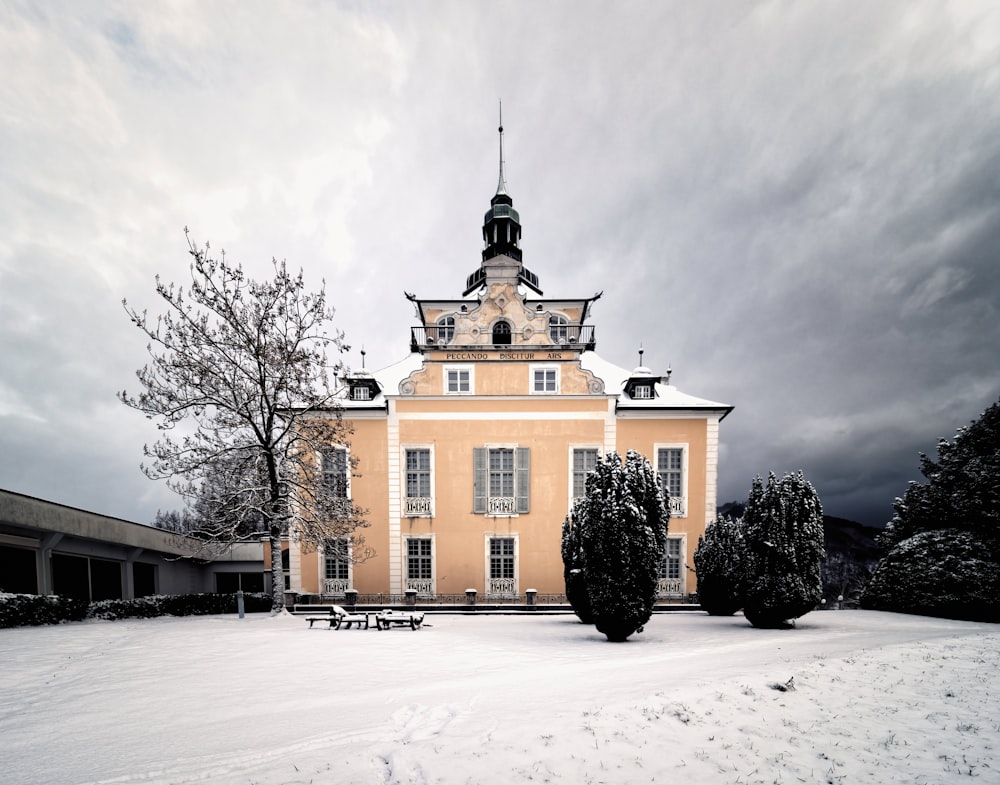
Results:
794 205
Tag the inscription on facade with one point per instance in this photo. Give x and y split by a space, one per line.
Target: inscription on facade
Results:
460 356
504 356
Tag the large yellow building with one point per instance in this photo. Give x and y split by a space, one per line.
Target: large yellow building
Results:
470 451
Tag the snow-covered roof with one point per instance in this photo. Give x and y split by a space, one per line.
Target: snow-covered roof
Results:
614 377
391 376
667 396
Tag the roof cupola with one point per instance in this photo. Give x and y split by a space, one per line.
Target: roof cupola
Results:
502 239
502 224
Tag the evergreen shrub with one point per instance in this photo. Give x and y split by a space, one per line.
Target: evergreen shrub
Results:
942 547
623 539
574 563
948 573
27 610
783 533
718 562
23 610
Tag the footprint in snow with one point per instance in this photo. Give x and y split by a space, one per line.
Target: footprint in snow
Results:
416 722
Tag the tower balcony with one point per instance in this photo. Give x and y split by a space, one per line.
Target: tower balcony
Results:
562 336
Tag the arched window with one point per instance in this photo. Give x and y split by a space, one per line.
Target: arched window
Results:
446 329
558 328
501 333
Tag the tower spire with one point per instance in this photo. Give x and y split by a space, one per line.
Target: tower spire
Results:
502 183
502 238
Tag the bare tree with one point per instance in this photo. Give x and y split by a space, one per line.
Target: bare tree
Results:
240 369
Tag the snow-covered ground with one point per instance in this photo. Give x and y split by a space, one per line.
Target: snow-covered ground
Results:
874 698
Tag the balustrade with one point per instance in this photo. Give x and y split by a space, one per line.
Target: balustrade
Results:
416 505
424 587
335 587
501 587
501 505
666 587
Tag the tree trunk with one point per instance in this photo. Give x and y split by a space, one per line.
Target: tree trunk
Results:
277 572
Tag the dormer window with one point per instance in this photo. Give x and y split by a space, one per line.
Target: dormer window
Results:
362 387
641 385
642 391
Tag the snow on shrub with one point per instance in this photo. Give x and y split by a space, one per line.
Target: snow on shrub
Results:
943 543
718 562
783 532
26 610
949 573
623 539
23 610
574 562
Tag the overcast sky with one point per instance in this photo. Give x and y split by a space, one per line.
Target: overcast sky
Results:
796 206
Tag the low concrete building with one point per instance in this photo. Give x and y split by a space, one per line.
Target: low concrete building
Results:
48 548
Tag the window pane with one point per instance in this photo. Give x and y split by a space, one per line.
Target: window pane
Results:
502 557
501 469
583 462
545 380
337 559
558 329
418 559
335 472
418 474
458 381
446 329
671 567
669 466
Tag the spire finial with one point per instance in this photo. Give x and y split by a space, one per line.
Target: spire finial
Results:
641 350
502 184
363 353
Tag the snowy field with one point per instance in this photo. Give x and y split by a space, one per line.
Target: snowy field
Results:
875 698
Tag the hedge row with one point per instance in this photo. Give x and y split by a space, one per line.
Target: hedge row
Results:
23 610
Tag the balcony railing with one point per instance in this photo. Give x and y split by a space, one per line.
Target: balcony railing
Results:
678 507
668 587
335 587
501 587
424 587
416 505
560 336
501 505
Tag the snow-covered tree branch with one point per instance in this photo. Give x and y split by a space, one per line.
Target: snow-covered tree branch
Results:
240 383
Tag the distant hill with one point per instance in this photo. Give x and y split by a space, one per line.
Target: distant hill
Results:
851 553
840 534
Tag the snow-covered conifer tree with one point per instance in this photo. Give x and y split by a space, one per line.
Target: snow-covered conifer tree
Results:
943 544
783 532
718 562
623 540
574 563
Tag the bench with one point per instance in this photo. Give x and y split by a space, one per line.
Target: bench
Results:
387 619
338 617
